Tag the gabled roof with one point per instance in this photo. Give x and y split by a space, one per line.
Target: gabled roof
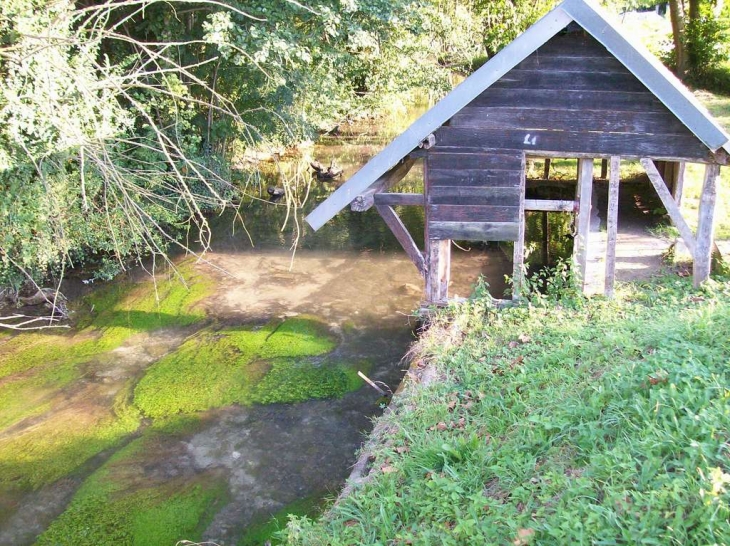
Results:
639 61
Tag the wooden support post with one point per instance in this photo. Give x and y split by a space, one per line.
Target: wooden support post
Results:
612 225
401 233
678 178
546 173
438 270
584 190
518 254
668 201
705 226
604 168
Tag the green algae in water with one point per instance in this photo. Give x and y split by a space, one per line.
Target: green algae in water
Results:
294 380
36 365
59 445
238 366
120 310
266 529
110 508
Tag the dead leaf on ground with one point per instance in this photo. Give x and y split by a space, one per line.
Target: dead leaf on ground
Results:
512 344
524 338
524 536
387 469
350 523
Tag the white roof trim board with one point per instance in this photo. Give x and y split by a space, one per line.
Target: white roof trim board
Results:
660 81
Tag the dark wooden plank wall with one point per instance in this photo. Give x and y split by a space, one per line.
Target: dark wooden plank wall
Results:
474 196
573 97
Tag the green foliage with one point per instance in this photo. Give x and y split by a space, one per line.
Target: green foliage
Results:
504 20
599 423
707 40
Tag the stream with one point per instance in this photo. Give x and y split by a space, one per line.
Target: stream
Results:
79 445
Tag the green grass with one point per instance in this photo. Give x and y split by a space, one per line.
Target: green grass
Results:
560 423
242 366
115 507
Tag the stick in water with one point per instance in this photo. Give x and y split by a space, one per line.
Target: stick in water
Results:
372 383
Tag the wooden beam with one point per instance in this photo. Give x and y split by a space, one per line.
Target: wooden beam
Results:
405 199
705 226
612 225
401 233
546 170
393 199
365 200
678 186
604 168
518 255
670 204
551 205
584 190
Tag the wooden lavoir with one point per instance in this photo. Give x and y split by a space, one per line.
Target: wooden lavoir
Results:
572 87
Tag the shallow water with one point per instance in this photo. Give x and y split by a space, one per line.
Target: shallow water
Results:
352 274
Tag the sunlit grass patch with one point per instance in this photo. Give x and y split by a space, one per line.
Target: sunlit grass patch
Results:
577 421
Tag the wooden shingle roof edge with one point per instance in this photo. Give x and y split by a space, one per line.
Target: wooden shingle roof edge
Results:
655 76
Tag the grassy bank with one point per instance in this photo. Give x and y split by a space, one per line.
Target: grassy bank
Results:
572 422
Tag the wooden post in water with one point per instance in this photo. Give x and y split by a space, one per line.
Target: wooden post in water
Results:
584 189
612 225
438 270
705 226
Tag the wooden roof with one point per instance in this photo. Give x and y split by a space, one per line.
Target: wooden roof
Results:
660 81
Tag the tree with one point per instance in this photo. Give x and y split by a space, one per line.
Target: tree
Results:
115 115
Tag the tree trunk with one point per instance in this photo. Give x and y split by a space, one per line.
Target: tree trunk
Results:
694 10
677 16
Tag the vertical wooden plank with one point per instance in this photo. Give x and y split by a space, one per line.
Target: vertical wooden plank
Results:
438 270
546 172
584 190
678 186
604 168
444 269
518 255
705 226
612 225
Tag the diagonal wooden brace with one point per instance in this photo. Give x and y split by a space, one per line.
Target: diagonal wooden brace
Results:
670 204
396 226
